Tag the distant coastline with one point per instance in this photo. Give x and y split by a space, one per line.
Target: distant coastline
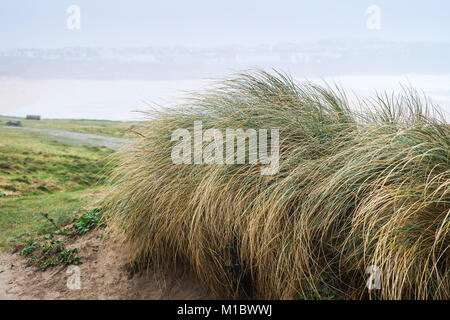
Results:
120 99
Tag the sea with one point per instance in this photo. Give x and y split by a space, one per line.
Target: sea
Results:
126 100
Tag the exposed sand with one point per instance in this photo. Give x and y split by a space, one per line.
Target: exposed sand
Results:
104 275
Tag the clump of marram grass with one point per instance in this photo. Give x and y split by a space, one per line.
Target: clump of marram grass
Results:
357 187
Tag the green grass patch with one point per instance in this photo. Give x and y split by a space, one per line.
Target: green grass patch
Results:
32 163
22 220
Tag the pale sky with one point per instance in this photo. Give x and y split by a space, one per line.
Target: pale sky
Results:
134 23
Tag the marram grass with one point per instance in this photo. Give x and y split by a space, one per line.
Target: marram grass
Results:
359 185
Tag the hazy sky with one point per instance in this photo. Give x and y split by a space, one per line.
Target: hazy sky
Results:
42 24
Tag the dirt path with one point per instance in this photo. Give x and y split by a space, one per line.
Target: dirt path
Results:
103 275
6 277
77 138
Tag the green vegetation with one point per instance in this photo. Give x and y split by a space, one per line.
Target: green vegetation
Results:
88 221
29 248
32 163
119 129
22 219
44 181
50 250
361 186
52 253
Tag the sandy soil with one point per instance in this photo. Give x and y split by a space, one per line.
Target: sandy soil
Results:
104 275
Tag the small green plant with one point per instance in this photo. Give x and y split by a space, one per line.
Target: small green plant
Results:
53 251
29 248
70 256
88 221
57 245
49 236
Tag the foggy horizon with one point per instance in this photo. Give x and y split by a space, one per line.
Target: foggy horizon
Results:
80 58
139 23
